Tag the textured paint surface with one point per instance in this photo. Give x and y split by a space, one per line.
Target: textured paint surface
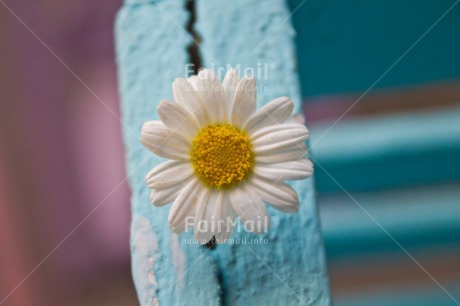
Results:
151 51
290 268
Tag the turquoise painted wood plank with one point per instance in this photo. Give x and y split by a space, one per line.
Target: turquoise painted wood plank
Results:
345 46
420 219
413 295
151 52
388 151
290 269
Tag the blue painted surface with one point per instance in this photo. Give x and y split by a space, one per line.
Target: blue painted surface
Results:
419 218
151 52
404 170
345 46
410 296
290 269
388 151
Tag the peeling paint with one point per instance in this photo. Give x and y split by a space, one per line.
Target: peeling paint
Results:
145 249
178 259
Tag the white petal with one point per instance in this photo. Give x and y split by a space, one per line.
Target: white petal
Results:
274 112
281 139
207 74
186 95
177 118
244 104
168 174
231 80
160 197
278 156
276 128
214 217
279 195
212 93
251 210
164 142
229 224
293 170
205 206
184 206
193 80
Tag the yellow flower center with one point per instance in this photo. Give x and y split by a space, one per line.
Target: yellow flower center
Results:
222 156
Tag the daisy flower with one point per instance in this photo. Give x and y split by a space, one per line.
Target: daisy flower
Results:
225 158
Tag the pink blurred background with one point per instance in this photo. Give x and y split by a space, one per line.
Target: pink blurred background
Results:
64 200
